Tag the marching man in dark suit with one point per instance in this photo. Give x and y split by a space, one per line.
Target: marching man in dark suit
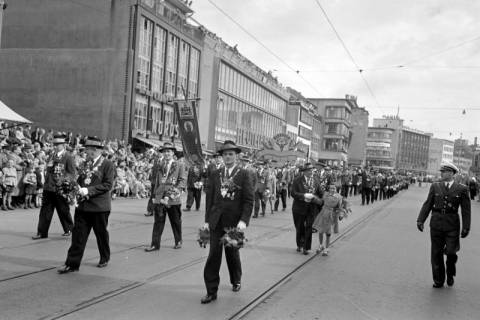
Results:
444 199
194 186
61 165
169 185
307 194
96 183
232 197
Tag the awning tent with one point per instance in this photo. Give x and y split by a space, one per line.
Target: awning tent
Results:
7 114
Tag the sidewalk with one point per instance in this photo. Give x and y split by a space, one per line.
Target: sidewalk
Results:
139 284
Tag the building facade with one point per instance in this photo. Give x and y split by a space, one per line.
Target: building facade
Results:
463 155
337 134
379 148
440 150
395 123
358 144
117 82
413 151
246 104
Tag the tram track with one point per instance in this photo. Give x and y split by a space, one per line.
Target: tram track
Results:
263 296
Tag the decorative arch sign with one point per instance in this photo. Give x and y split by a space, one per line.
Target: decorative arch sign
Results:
281 148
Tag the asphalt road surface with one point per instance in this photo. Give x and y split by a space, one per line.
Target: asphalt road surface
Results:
379 269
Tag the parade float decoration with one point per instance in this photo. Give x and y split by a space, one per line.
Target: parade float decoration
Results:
281 148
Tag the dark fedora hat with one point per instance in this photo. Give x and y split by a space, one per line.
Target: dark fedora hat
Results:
93 142
59 138
168 146
229 145
307 166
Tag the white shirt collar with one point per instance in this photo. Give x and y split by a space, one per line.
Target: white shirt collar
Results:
230 170
449 184
59 154
96 159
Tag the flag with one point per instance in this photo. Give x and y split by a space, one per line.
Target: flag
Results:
188 127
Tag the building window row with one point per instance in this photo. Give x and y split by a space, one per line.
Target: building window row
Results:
241 86
338 112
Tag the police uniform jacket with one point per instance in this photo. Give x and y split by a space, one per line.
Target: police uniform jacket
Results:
101 183
64 165
226 212
444 206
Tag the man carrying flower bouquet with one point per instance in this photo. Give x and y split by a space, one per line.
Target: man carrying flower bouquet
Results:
194 186
231 196
96 180
169 185
60 166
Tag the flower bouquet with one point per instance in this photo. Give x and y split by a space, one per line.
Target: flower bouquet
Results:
171 194
203 237
233 238
68 188
198 185
228 189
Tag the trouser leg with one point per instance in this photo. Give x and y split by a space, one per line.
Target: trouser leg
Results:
283 195
100 223
234 264
175 217
190 197
159 216
80 232
438 242
63 211
46 213
198 198
211 272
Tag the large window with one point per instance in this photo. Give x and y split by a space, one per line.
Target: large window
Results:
305 117
140 115
144 54
193 73
183 69
304 132
156 117
172 61
159 45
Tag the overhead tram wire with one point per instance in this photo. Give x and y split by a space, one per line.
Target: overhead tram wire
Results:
360 70
264 46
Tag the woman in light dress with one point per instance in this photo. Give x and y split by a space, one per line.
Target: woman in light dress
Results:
335 207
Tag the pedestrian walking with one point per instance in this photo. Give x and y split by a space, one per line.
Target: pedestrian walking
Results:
194 186
443 201
232 196
169 184
96 183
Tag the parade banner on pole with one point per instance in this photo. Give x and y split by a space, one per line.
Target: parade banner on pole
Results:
188 127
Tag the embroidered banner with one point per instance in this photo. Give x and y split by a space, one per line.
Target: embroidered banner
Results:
189 133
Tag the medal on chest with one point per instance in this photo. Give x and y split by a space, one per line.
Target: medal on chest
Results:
227 186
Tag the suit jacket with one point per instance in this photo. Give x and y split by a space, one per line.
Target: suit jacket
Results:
262 180
299 188
225 212
444 206
195 174
165 180
99 198
64 164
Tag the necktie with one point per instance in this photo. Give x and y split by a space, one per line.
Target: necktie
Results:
447 185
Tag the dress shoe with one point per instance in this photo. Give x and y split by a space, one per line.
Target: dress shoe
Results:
102 264
209 298
151 248
236 287
186 209
438 285
66 269
178 245
38 236
255 216
306 252
67 234
299 249
325 252
450 281
148 214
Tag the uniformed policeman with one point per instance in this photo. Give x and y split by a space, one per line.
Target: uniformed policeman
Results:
443 201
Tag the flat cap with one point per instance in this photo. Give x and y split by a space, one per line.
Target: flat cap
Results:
448 166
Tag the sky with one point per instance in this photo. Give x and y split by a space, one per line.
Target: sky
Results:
436 41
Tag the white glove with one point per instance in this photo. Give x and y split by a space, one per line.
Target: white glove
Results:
83 192
308 196
241 225
206 226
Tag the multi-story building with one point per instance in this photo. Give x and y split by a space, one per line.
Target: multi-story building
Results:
304 126
108 68
413 151
337 116
395 123
440 150
379 148
463 155
243 103
357 150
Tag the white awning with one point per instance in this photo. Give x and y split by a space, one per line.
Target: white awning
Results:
7 114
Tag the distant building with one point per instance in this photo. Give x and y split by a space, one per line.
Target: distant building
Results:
395 123
379 148
357 150
440 150
337 134
243 102
3 6
463 155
